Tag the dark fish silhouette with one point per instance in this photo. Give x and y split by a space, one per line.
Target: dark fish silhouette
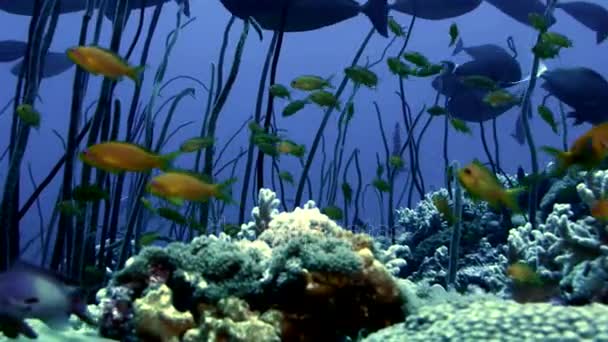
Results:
136 4
435 9
308 15
27 291
55 63
492 61
582 89
520 10
468 105
504 73
11 50
26 7
593 16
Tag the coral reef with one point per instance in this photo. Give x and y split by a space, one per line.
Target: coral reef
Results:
569 247
483 318
303 278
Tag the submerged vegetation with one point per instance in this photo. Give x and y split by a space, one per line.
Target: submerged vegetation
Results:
123 188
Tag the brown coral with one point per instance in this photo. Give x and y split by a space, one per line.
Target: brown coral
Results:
156 319
339 304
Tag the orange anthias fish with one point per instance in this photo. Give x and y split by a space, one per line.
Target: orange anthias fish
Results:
482 184
119 157
176 186
528 286
600 210
100 61
587 151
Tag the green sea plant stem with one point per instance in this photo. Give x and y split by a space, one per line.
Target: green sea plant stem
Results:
257 118
37 46
65 239
486 149
110 230
496 146
389 169
84 250
321 129
323 173
446 162
78 93
456 227
270 103
409 126
359 187
347 202
564 127
336 164
526 109
217 109
135 214
223 49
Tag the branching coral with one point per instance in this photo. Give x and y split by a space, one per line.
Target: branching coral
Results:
571 250
267 208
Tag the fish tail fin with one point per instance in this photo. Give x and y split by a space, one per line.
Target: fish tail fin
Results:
511 197
562 159
166 160
377 12
223 191
577 116
136 73
459 47
600 36
78 306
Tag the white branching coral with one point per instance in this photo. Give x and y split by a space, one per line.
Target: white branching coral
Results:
267 208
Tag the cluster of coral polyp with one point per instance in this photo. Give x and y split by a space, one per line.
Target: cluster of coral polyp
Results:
303 278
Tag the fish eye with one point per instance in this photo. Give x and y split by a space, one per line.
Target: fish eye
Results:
467 171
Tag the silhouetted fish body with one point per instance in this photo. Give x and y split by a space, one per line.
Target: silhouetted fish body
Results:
468 105
503 69
11 50
55 63
583 89
520 10
30 292
308 15
593 16
26 7
435 9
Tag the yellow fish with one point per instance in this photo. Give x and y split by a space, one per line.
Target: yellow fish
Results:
176 186
119 156
588 151
482 184
289 147
100 61
600 210
522 273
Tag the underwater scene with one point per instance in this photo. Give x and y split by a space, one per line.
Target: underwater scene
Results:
303 170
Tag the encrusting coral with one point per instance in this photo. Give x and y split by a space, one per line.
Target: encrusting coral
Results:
488 319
